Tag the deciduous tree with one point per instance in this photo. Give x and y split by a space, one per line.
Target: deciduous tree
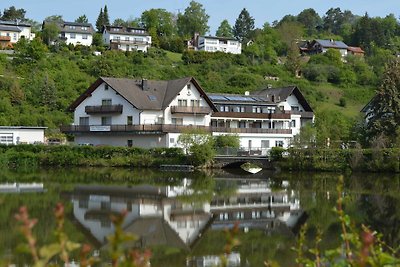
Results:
225 29
194 19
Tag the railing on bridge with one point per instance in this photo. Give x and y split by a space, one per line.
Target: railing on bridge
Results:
242 152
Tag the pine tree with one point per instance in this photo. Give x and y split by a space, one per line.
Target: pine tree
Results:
384 114
244 26
224 30
100 21
106 18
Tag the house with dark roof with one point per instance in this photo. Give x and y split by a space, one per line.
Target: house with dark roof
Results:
318 46
12 31
74 33
214 44
149 113
126 38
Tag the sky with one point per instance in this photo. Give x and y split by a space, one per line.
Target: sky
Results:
261 10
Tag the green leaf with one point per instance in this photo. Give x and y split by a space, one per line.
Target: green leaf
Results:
47 252
71 246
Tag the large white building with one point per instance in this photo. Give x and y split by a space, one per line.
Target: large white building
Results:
14 135
74 33
126 38
145 113
12 31
214 44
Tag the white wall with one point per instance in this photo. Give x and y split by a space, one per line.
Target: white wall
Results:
28 136
107 37
95 100
79 39
116 139
213 45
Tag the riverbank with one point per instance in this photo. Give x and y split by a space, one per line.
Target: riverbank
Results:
24 156
360 160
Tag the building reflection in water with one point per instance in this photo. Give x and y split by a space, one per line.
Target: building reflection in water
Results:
158 215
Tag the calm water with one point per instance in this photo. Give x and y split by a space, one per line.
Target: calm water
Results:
182 216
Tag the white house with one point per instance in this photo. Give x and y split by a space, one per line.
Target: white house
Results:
214 44
126 38
321 46
144 113
13 135
74 33
12 31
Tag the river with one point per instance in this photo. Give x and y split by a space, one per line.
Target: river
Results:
181 216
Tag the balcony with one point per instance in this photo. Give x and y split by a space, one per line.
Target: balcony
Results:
104 109
250 115
164 128
190 110
304 114
133 42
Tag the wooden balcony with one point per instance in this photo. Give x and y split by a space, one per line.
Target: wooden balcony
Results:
104 109
250 115
164 128
190 110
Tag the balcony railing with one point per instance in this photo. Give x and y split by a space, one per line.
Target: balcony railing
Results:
282 116
103 109
165 128
304 114
190 110
122 41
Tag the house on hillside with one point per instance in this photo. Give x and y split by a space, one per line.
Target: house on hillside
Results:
214 44
74 33
126 38
321 46
146 113
14 135
355 50
12 31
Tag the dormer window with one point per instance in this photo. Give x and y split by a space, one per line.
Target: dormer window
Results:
84 28
71 27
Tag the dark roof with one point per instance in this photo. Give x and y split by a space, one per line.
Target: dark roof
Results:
14 23
9 28
155 231
156 96
126 30
331 44
283 94
64 27
220 38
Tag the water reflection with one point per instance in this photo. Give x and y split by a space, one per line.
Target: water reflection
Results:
168 215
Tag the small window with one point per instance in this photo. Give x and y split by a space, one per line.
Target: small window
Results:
127 38
72 35
106 87
129 120
279 143
172 140
181 224
189 86
84 36
83 120
130 143
106 121
72 27
106 102
293 124
182 102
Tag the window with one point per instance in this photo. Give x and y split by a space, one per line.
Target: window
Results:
83 203
106 87
177 121
279 143
106 102
242 124
264 143
106 120
295 108
255 214
127 38
72 36
239 215
152 97
84 36
129 120
172 140
189 86
181 224
72 27
223 216
194 224
83 120
15 36
182 102
84 28
195 103
6 139
256 109
130 143
293 124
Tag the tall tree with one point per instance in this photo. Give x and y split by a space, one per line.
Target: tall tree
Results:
160 20
310 19
224 30
384 114
82 19
13 14
50 32
106 17
244 26
194 19
100 21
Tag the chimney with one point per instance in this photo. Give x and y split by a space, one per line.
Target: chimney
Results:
246 93
144 84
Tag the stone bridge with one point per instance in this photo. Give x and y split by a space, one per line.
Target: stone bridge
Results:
236 161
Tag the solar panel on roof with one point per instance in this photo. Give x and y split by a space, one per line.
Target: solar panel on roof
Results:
217 97
240 98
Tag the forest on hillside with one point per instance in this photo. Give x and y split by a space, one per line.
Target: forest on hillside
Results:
40 80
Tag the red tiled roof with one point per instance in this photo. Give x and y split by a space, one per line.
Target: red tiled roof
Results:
355 49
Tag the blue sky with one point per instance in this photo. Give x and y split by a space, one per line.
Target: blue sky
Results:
262 10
